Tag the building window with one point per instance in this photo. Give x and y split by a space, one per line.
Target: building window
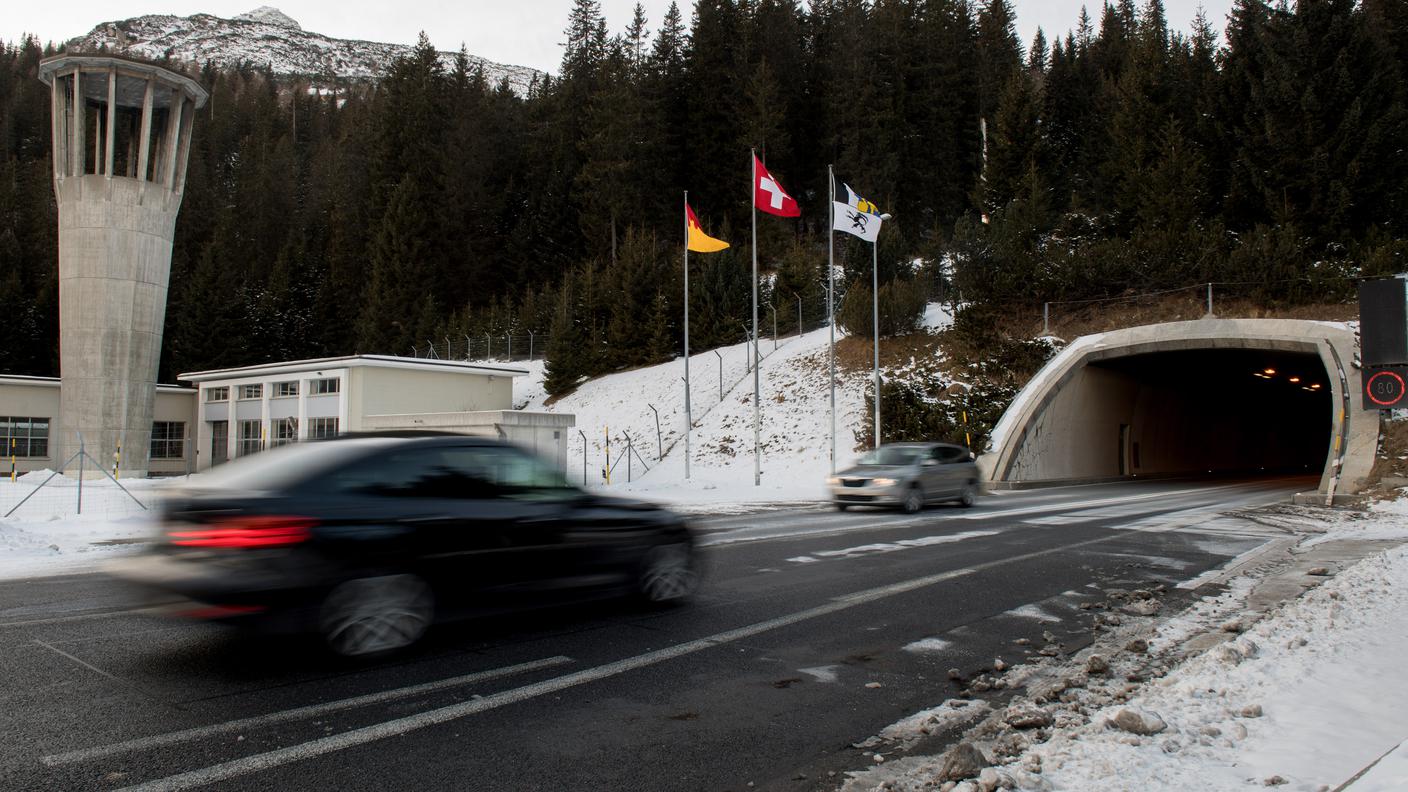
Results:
322 427
219 394
168 440
283 389
250 440
319 387
251 391
285 432
24 437
219 442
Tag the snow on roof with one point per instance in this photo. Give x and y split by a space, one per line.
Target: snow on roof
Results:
353 361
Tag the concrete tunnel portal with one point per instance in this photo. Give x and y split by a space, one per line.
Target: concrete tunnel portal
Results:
1222 396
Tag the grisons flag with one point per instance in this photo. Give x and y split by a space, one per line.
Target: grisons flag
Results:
769 196
699 241
844 194
853 214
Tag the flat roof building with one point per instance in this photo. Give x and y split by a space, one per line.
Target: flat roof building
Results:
241 411
30 426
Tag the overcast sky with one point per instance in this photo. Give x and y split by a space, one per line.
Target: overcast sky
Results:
520 32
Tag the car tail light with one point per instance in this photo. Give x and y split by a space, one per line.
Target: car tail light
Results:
247 531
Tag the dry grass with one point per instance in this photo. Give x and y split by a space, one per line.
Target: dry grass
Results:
857 354
854 353
1393 436
1071 321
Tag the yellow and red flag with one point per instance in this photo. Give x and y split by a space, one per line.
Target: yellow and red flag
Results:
699 241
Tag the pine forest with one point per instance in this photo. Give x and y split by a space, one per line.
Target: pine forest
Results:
1118 156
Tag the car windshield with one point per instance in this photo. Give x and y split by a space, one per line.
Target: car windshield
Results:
894 456
281 467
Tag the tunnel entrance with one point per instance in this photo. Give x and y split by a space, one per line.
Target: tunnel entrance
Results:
1210 411
1223 396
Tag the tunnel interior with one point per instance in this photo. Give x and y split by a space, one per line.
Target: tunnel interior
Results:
1233 411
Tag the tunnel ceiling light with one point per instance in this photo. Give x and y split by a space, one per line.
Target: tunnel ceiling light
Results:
1295 379
1268 372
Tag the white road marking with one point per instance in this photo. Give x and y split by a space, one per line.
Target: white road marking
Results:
156 609
243 724
83 663
890 547
400 726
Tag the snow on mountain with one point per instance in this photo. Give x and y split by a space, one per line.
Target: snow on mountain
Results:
268 37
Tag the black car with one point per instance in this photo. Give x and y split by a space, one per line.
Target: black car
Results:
368 539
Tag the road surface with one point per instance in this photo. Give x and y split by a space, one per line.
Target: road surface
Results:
814 631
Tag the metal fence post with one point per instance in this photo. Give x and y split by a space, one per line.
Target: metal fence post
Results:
488 347
584 456
81 454
630 451
1209 299
530 345
721 375
1046 319
659 444
468 348
510 347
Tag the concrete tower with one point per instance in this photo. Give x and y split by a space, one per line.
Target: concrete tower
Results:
122 133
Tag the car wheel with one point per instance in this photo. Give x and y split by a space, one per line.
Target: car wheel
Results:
913 500
668 574
969 496
842 506
375 615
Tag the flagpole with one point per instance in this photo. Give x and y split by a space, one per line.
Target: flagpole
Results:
757 448
830 302
688 417
875 310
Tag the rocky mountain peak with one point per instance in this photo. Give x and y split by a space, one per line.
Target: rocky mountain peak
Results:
270 16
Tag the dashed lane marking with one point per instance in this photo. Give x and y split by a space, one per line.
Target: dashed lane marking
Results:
243 724
401 726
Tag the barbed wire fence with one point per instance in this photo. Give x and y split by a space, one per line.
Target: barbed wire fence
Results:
507 347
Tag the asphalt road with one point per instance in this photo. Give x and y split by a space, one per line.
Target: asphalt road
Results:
814 631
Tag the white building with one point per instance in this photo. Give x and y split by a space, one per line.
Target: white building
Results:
241 411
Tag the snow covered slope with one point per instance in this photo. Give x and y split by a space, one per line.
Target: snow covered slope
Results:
794 432
267 37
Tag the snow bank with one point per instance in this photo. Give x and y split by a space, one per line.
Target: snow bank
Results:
794 431
46 534
1310 695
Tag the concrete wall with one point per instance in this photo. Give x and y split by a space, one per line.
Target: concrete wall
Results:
176 404
382 391
543 433
1065 425
114 264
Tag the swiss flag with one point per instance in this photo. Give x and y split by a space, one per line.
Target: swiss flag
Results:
769 196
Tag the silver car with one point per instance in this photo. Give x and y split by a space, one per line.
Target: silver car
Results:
908 475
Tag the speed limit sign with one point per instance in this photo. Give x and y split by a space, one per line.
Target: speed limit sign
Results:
1385 387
